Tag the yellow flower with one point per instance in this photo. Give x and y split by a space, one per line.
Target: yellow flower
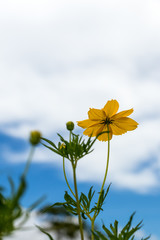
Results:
62 146
100 120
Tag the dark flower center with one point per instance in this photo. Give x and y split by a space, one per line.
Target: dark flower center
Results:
107 121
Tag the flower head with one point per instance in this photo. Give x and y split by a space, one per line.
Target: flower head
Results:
107 118
35 137
70 126
62 146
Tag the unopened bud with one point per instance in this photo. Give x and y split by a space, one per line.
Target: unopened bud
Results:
70 126
35 137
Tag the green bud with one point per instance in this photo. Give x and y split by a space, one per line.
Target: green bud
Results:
35 137
70 126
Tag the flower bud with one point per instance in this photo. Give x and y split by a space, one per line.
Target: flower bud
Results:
70 126
35 137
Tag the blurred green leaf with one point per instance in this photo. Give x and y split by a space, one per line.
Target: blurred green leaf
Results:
127 233
43 231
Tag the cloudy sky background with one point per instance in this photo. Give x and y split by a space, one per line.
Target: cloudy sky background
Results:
59 58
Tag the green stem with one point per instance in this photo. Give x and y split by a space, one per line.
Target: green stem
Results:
92 228
28 161
70 134
77 200
64 172
104 180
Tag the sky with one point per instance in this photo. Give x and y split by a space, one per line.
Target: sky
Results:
60 58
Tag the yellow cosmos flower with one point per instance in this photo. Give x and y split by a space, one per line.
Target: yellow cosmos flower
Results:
100 120
62 146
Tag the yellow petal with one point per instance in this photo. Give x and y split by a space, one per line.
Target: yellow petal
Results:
96 114
125 113
104 136
85 123
93 130
116 130
126 123
111 108
101 129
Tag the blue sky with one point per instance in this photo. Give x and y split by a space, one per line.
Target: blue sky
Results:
60 58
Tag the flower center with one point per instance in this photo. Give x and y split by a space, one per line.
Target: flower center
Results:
107 121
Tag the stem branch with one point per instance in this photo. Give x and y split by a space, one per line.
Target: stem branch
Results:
64 172
28 161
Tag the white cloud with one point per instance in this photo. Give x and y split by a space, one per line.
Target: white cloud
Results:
59 58
141 233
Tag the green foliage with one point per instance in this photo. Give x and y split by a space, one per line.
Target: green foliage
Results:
46 233
102 198
74 149
10 208
127 233
70 204
86 200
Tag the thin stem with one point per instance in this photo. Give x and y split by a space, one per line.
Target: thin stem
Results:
28 161
64 172
92 228
77 200
104 180
70 133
